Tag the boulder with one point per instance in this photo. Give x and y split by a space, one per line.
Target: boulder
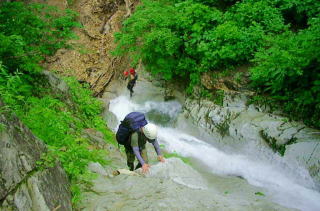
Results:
95 137
238 121
44 190
19 151
97 168
23 186
55 82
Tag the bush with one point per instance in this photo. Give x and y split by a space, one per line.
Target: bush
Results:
263 13
309 8
59 125
29 32
186 38
174 40
222 4
158 44
288 69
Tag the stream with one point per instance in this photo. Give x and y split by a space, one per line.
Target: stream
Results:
228 169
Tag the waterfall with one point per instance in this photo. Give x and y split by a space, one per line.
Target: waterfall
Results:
286 183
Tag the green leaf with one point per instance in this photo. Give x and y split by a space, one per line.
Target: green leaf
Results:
259 194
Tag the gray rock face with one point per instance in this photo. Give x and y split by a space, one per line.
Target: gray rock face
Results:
43 190
96 137
178 172
238 121
56 82
169 186
22 186
97 168
19 151
58 86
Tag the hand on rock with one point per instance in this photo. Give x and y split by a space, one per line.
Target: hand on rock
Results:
145 168
161 159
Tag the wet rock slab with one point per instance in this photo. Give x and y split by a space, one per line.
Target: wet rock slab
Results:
170 186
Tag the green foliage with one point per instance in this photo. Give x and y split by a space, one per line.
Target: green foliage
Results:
159 43
218 97
185 38
60 126
288 69
204 93
272 142
238 77
222 4
252 13
2 127
29 32
188 38
83 98
70 2
259 194
167 38
230 44
89 107
297 10
14 88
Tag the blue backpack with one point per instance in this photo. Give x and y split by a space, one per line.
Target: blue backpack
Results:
131 123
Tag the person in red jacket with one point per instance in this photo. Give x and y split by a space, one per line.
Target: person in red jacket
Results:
132 80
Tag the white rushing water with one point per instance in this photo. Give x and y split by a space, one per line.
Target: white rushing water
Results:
286 183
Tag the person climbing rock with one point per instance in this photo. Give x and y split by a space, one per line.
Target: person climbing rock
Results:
133 76
135 142
137 147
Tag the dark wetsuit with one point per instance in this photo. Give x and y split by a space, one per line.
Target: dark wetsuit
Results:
137 148
131 84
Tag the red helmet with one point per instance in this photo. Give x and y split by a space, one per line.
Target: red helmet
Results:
132 71
125 73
